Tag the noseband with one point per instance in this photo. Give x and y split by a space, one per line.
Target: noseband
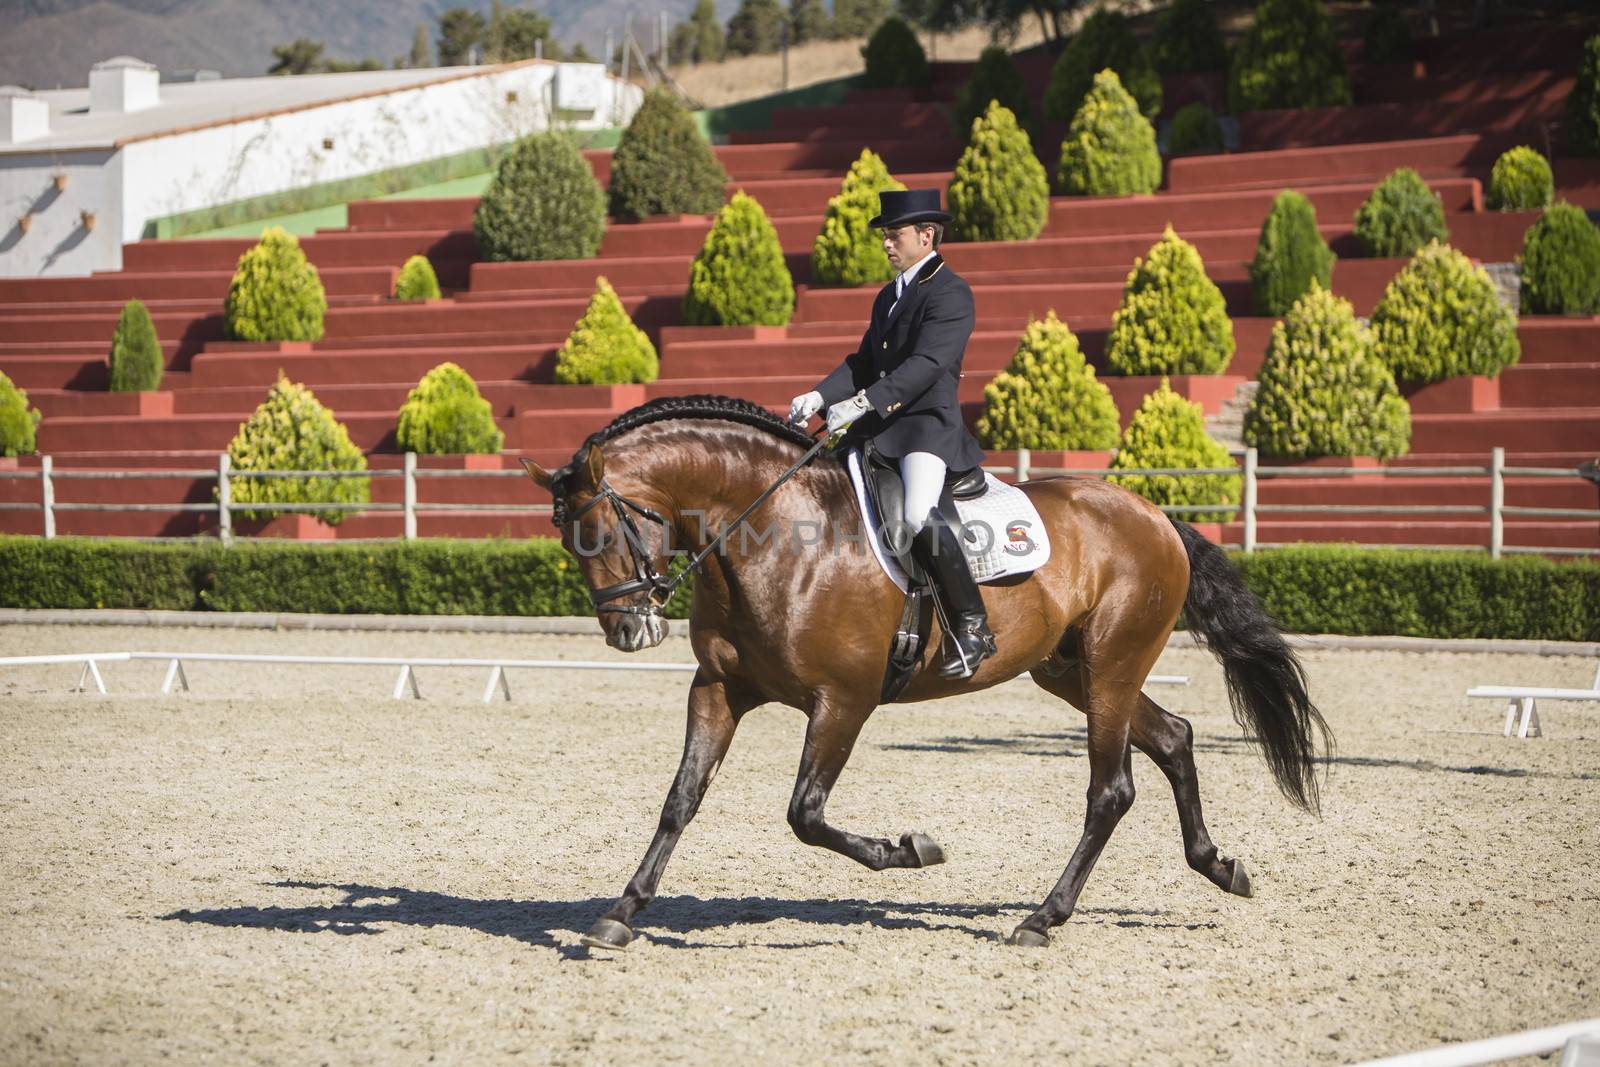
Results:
645 576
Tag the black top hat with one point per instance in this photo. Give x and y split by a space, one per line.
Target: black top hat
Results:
901 207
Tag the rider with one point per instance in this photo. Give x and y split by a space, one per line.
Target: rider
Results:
899 390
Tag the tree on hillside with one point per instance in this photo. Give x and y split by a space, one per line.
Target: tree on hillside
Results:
421 50
459 30
808 21
303 56
519 36
858 18
700 39
755 28
1001 17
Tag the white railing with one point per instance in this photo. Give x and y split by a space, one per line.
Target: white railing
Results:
1250 510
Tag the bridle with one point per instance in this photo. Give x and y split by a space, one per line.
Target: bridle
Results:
645 576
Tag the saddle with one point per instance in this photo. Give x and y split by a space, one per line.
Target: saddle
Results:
887 492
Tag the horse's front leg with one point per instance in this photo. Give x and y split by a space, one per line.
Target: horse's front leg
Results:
713 714
829 739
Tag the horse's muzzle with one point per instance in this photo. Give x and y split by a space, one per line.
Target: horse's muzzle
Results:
630 633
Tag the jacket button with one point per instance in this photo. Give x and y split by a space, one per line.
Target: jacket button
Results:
886 344
882 373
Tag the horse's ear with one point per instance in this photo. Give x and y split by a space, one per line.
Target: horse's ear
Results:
596 466
541 477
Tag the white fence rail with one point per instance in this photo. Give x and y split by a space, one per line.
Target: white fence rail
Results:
1250 510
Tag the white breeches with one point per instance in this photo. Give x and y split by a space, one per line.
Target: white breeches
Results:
923 475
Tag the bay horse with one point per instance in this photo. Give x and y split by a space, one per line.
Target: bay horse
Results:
807 621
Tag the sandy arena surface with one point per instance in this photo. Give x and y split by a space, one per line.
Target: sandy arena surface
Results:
287 866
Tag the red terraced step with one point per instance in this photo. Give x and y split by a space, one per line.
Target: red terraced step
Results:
1069 301
1327 165
686 236
1398 84
179 285
1465 534
1432 492
454 317
1542 385
335 248
57 372
314 368
1558 339
1383 122
1557 429
192 330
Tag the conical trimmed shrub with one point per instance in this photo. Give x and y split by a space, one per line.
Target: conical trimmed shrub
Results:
1105 42
999 191
894 57
1290 58
1173 318
1583 103
605 347
276 294
662 165
1324 391
995 80
1387 36
292 431
1520 181
1560 264
136 360
1048 396
1440 318
1400 216
543 203
1110 149
1291 255
445 415
1169 432
1194 129
416 280
848 251
1187 39
739 277
19 422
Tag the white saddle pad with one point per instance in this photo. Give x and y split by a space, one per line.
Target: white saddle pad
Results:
1004 535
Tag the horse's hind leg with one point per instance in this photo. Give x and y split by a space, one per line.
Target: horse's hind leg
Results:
714 712
1169 742
830 736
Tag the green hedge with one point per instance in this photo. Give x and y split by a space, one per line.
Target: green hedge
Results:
1319 589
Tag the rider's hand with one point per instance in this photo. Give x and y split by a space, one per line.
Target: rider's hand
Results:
847 411
804 406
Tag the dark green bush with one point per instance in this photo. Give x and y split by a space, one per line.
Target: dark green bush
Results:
1105 42
18 421
1290 58
1048 396
1387 36
1400 216
1166 433
662 165
1290 255
1110 148
445 416
1194 129
292 431
605 347
1440 317
1333 589
1560 264
995 79
999 191
739 277
1187 39
1324 391
1521 181
847 251
1583 103
1352 590
543 203
1173 318
894 56
136 360
276 294
416 280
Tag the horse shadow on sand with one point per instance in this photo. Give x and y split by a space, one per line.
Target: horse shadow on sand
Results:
673 921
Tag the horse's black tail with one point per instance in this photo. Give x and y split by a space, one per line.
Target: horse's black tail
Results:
1266 684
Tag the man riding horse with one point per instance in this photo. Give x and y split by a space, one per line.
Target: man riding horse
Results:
899 390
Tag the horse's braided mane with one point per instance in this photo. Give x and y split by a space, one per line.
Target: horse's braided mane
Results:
702 406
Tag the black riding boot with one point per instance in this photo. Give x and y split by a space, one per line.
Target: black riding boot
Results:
938 549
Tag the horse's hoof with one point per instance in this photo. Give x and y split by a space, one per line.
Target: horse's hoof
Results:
927 849
607 934
1240 884
1023 937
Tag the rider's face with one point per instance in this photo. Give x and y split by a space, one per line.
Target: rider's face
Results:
904 245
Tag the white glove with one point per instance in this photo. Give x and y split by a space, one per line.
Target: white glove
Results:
842 414
804 406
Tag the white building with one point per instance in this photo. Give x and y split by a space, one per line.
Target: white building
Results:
83 170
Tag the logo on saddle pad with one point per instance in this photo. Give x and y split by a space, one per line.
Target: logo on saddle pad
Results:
1018 543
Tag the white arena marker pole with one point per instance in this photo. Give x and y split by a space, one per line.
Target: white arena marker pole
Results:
175 670
407 675
497 674
1495 1049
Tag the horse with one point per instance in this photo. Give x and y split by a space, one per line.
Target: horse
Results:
807 621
